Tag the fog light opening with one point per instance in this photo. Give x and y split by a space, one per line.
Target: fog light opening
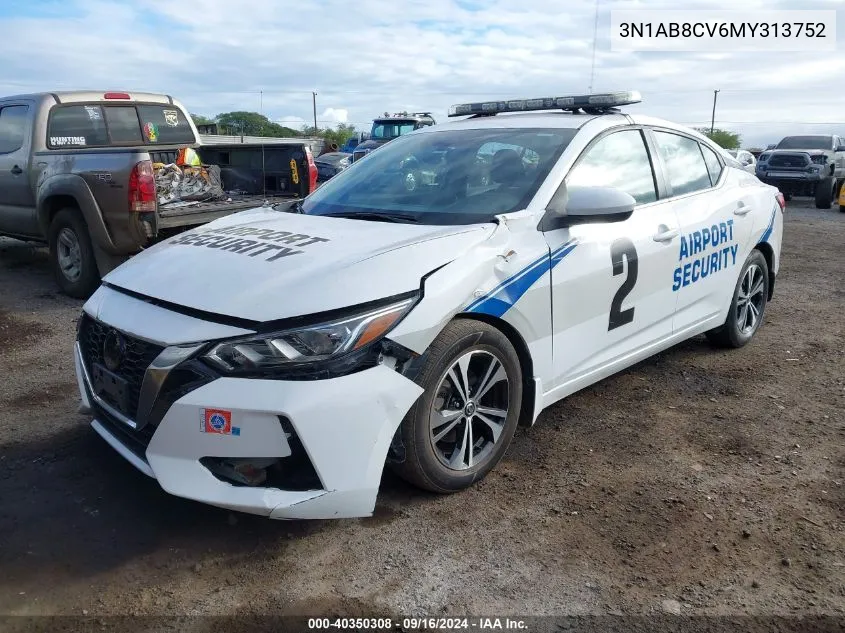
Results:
244 471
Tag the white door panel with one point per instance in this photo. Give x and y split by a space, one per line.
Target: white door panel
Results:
613 294
716 226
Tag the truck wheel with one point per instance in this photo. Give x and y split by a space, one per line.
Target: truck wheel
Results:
72 256
824 193
461 426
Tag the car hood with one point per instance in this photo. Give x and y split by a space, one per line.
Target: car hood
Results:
263 265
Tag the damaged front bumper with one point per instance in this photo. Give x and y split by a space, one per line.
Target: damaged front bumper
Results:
327 441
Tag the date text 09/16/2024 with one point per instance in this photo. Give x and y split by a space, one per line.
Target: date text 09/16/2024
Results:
420 623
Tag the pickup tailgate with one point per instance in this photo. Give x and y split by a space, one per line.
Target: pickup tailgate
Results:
250 175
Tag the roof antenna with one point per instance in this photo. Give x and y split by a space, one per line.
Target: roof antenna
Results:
595 33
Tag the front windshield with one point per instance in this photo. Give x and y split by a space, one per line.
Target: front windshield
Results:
806 142
390 129
445 176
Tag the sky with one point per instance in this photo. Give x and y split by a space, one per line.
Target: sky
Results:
364 57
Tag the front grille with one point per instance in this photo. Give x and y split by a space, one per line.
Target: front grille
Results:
794 161
138 356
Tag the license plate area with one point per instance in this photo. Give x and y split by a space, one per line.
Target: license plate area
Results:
787 174
111 388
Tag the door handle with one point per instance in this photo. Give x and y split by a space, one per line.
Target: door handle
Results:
665 234
17 171
742 209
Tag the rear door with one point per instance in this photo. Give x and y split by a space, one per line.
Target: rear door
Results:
612 294
17 201
716 218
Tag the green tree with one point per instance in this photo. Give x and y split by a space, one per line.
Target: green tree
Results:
338 135
723 138
251 124
200 119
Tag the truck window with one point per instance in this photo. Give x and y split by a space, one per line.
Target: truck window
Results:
12 128
163 124
76 126
123 124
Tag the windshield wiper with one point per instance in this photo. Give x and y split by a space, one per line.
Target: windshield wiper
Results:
375 216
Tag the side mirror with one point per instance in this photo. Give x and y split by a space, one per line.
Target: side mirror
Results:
587 205
747 160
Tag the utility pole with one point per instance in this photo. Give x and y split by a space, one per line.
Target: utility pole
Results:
595 36
314 99
713 118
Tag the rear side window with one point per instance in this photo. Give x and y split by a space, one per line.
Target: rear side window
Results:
94 125
13 120
618 160
684 163
165 125
77 126
714 167
123 125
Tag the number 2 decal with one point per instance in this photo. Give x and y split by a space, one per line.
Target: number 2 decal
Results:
623 247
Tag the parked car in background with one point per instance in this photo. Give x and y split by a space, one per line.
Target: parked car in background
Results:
387 128
331 164
805 165
842 198
95 176
745 158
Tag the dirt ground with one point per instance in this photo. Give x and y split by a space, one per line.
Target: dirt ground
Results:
698 482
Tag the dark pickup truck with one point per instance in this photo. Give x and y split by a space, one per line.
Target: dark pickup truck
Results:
805 166
83 172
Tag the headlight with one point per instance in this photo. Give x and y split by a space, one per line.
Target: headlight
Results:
309 344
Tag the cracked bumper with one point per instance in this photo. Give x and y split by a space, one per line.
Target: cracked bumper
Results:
344 424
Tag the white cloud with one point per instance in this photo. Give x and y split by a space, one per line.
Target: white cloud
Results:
365 57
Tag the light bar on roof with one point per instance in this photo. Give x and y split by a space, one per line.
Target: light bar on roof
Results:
586 102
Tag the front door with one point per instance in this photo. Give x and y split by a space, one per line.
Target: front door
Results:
17 201
612 282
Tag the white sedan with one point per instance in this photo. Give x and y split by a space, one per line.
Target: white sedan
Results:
276 360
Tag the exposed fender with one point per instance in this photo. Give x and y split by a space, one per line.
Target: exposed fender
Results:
447 292
75 187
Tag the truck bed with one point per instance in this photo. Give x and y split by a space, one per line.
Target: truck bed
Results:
193 213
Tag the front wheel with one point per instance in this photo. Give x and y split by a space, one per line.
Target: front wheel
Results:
72 256
824 193
462 424
748 306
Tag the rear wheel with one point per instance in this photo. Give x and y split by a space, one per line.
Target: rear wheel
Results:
71 255
462 425
824 193
748 306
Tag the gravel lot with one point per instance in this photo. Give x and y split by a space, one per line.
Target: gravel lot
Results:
701 482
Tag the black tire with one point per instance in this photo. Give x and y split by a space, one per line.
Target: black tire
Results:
824 193
842 208
421 464
81 282
729 334
787 197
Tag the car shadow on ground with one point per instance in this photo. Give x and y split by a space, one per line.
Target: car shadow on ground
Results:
73 507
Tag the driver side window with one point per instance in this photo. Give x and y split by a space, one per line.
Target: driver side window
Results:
618 160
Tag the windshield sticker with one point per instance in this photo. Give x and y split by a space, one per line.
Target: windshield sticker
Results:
59 141
171 117
272 244
93 112
151 132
